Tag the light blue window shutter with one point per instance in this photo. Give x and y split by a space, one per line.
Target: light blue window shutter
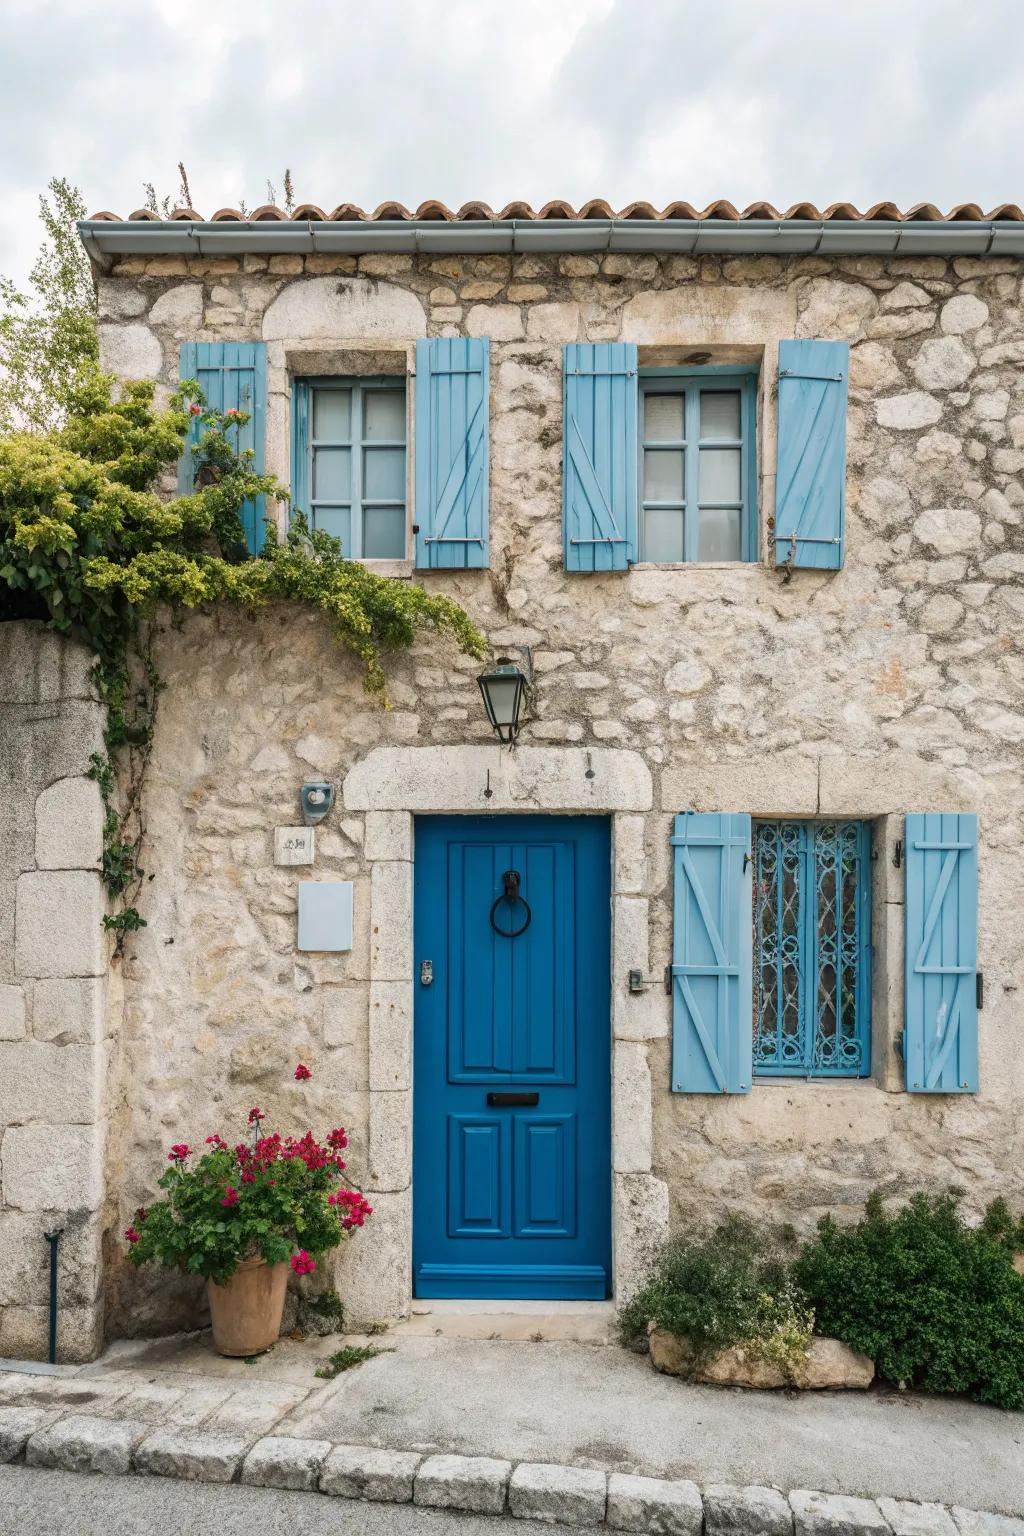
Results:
599 479
233 377
712 954
940 1040
810 484
452 402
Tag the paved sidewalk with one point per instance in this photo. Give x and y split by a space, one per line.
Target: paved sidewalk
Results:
586 1405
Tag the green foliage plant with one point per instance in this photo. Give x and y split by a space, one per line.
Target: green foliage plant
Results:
48 333
729 1287
87 537
936 1303
347 1358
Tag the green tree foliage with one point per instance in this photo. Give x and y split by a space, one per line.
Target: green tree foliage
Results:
87 541
48 335
935 1303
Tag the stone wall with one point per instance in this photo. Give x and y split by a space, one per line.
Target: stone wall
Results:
53 995
894 684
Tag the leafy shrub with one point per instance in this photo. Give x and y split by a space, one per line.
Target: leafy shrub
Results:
935 1303
726 1288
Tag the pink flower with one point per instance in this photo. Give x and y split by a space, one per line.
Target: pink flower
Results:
302 1073
230 1196
131 1235
231 413
255 1115
248 1177
217 1142
302 1264
337 1139
195 410
179 1152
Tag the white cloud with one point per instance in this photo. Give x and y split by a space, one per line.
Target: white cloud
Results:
915 100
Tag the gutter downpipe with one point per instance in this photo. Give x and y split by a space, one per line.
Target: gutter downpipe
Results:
53 1238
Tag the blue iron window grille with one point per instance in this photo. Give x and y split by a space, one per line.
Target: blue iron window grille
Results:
812 948
349 462
697 465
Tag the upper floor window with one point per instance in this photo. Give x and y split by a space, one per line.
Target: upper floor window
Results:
697 467
350 463
812 948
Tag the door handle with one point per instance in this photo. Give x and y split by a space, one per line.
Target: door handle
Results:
499 1099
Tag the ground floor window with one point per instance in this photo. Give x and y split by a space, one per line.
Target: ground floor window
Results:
812 948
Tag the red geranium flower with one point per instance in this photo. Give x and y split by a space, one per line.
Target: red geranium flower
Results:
256 1114
218 1142
302 1264
302 1073
230 1196
179 1152
131 1235
141 1214
195 410
337 1139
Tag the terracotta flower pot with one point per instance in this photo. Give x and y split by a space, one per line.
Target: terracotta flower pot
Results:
246 1311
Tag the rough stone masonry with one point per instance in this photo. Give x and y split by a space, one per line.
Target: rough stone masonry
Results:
894 684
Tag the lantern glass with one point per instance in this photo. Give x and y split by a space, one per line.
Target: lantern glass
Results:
502 688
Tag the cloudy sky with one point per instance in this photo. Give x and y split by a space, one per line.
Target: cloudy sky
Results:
914 100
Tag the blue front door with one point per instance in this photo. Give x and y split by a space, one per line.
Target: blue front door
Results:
512 1133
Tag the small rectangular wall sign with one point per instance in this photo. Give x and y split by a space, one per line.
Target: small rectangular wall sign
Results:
293 845
325 914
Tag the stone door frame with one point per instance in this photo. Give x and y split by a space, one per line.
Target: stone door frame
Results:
391 785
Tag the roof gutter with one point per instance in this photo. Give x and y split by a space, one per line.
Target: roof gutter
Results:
106 239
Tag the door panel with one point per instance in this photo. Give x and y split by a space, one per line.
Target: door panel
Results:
512 1199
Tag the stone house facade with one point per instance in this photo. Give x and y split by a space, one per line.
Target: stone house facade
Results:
832 715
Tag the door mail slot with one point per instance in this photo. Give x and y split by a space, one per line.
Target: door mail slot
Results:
519 1099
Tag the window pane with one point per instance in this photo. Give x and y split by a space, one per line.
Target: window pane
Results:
663 535
384 474
663 418
384 413
720 414
718 535
332 474
384 533
337 521
332 415
663 474
719 474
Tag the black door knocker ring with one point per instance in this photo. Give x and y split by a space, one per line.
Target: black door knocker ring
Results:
510 881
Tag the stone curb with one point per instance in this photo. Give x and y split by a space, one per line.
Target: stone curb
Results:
579 1496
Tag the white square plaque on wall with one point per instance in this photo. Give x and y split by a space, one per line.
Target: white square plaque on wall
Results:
293 845
325 914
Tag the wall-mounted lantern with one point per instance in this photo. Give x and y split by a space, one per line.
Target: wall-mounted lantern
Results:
504 687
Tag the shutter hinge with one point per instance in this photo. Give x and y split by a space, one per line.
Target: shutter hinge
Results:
668 980
897 853
415 527
979 990
824 378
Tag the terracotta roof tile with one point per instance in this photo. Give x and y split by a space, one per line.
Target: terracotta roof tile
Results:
596 208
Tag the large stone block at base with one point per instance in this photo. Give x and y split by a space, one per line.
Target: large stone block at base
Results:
835 1514
474 1483
194 1455
83 1444
568 1495
364 1472
280 1462
373 1277
59 924
750 1511
656 1505
17 1426
25 1333
829 1364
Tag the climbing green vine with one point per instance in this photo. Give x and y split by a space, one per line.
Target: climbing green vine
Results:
88 542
